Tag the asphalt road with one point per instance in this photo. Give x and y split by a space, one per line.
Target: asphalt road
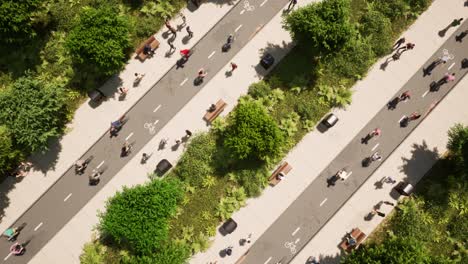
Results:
286 237
71 192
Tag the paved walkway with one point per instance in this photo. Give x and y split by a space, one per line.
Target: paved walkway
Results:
63 249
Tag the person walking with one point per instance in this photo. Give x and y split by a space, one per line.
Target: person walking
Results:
184 20
449 77
171 45
138 78
291 5
399 43
189 32
233 66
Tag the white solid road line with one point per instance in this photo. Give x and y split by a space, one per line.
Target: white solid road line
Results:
211 55
239 27
268 260
68 196
37 227
155 122
184 81
323 202
100 164
263 2
157 108
129 136
295 231
375 146
450 67
399 121
242 12
424 94
7 256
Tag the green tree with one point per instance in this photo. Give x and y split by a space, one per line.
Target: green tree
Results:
378 28
173 253
33 111
393 9
16 23
9 156
391 251
324 25
252 133
100 39
137 217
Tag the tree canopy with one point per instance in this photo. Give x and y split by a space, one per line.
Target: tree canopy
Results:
100 39
8 155
252 133
16 23
137 217
324 25
33 111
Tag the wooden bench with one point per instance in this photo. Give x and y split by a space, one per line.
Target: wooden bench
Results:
210 116
153 42
357 234
284 168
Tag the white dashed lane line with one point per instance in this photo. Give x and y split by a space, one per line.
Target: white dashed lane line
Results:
184 81
157 108
323 202
38 226
375 146
264 2
237 29
68 196
295 231
211 55
100 164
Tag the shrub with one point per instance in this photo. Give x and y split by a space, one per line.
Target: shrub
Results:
33 111
137 217
323 25
335 96
16 20
172 253
393 9
378 28
252 180
259 89
418 6
99 40
234 200
9 156
252 133
352 62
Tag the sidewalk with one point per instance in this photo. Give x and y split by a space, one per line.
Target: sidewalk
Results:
89 124
256 218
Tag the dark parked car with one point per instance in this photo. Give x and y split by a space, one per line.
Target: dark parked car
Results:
330 120
404 188
162 167
96 96
267 61
228 227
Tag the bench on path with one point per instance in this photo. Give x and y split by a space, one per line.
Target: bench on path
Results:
153 42
358 235
284 169
212 115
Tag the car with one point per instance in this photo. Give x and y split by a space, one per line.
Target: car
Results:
163 166
96 96
330 120
404 188
267 61
228 227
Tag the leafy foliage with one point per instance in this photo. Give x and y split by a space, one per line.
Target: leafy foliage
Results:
378 28
393 9
138 217
16 23
259 89
234 200
172 253
252 180
337 96
391 251
323 25
252 133
8 155
100 39
33 111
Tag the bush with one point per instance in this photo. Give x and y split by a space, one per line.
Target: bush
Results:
16 23
197 161
168 254
234 200
33 111
323 25
137 217
252 180
393 9
99 40
378 28
419 6
352 62
259 89
9 156
252 133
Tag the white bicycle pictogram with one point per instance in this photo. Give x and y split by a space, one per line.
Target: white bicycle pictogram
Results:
445 53
291 246
151 127
248 6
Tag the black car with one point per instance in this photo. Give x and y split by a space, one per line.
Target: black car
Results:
330 120
228 227
162 167
96 96
267 61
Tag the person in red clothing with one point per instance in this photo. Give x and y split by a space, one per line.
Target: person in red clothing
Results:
185 53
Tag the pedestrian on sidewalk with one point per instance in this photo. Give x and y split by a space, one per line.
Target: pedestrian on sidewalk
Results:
189 32
399 43
171 45
184 20
138 78
389 180
291 5
233 66
188 133
376 212
144 158
408 46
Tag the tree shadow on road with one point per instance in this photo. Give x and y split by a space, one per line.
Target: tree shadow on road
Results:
421 160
